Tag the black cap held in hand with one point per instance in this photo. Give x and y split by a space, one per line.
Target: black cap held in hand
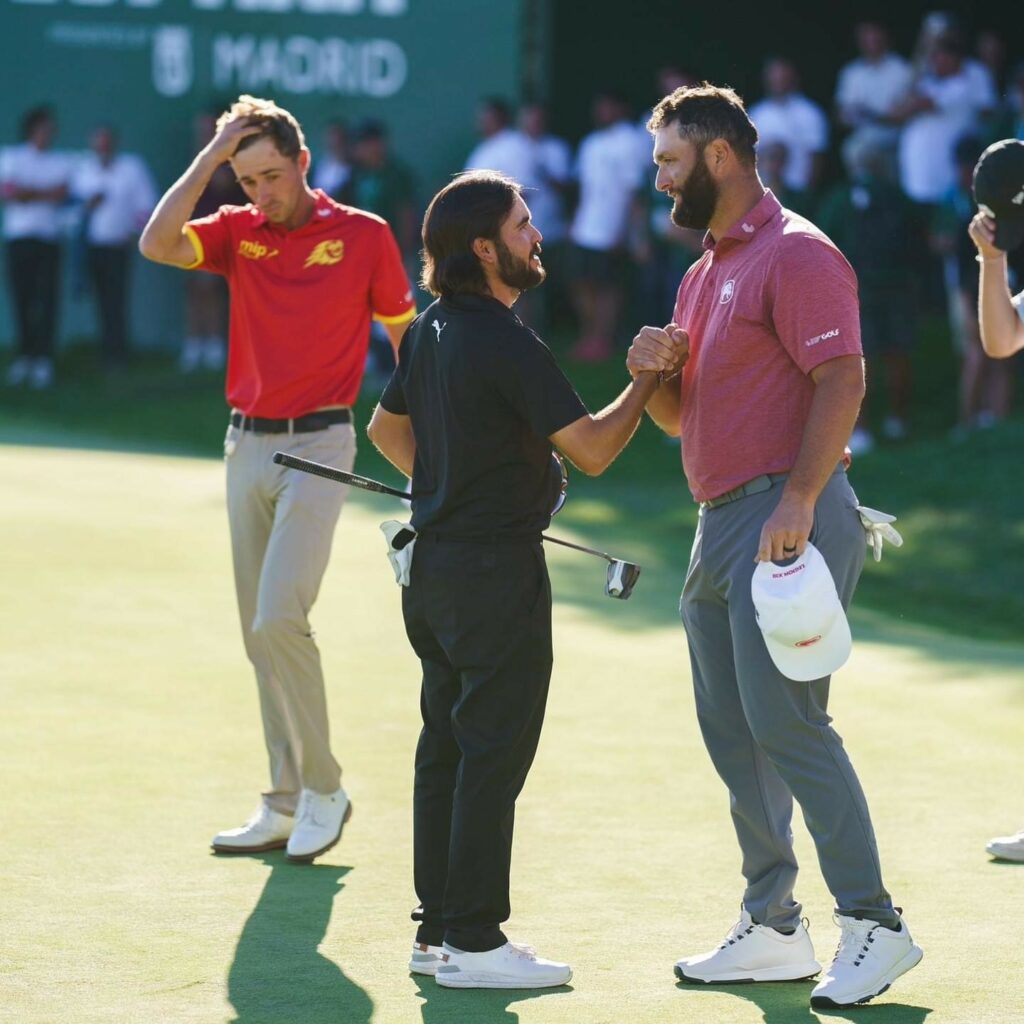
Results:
999 190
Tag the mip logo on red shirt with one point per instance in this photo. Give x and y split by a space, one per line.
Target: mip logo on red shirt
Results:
255 250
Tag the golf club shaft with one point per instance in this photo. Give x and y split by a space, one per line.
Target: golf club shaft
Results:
341 477
338 475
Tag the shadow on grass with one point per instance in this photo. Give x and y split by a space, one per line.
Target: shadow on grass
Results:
279 975
480 1006
789 1003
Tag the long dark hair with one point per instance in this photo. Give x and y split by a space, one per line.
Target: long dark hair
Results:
474 205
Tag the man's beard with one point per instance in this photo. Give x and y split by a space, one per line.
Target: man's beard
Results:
696 200
516 273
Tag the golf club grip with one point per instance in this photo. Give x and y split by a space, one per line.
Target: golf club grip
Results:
337 475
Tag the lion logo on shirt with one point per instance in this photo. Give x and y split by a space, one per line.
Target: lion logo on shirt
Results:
326 254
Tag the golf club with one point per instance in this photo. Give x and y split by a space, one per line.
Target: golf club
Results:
622 575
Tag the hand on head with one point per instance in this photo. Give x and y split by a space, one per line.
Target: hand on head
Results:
225 143
658 350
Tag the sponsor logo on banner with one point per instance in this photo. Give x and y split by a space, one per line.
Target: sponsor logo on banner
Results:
172 60
326 254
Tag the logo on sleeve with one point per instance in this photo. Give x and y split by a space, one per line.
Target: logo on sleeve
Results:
727 292
255 250
818 338
326 254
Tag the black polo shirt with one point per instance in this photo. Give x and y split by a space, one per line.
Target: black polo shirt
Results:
483 393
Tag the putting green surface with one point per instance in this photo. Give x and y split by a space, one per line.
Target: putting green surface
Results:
130 734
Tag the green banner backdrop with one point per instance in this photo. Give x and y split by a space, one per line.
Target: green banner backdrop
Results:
148 66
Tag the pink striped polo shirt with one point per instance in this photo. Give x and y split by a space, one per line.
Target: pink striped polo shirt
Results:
767 302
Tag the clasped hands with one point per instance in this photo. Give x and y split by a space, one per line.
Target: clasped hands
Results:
660 350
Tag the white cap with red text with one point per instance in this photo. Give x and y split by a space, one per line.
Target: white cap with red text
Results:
801 617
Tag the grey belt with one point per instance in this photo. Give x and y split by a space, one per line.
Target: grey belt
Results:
765 482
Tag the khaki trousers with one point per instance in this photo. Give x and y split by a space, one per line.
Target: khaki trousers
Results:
282 524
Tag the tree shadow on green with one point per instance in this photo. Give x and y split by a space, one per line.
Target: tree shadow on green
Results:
480 1006
789 1003
279 976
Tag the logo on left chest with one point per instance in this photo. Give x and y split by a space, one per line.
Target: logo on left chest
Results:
326 254
727 292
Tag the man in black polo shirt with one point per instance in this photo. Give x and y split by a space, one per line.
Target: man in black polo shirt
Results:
472 412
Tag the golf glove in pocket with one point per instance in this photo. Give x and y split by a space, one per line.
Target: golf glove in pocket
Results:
877 529
401 538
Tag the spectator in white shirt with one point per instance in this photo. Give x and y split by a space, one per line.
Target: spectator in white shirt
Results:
500 145
542 164
610 177
786 115
118 194
947 103
33 183
869 91
333 168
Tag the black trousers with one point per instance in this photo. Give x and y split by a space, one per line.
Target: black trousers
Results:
479 618
33 272
108 270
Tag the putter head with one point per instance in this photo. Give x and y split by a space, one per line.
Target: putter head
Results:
622 577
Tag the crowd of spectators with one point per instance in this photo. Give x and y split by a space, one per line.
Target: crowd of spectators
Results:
885 172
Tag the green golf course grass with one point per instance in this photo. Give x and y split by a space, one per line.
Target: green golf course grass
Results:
130 734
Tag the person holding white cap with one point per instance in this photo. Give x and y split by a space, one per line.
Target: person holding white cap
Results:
765 404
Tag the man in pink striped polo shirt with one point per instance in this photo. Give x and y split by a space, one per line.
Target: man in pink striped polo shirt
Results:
765 404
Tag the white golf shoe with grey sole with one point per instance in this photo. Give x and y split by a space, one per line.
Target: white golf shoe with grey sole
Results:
869 959
510 966
753 952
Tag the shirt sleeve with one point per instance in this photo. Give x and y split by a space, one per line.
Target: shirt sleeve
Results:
390 294
813 297
533 384
211 240
393 399
1018 304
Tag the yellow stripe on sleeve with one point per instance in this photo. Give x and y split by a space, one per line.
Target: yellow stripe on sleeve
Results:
197 247
402 318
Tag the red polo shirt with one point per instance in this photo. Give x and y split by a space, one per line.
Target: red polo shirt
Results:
301 302
767 302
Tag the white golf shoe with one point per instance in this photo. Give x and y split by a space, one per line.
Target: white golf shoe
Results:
265 830
319 819
509 966
1007 847
869 959
753 952
425 958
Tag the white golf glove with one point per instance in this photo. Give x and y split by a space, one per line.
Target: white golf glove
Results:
877 529
401 538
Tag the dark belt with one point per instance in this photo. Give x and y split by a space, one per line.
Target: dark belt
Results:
300 425
759 484
432 537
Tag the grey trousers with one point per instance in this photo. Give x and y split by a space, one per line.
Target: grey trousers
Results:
282 524
770 738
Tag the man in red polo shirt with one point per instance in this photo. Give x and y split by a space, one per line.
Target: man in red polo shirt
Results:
765 405
306 276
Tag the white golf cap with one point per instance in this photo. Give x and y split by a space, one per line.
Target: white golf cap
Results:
801 617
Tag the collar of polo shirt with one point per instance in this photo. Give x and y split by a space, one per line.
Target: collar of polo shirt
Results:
744 229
